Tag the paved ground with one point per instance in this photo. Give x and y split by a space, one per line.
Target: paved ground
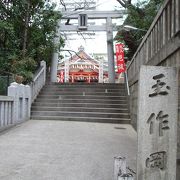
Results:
55 150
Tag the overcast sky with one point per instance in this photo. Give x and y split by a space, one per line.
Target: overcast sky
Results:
98 43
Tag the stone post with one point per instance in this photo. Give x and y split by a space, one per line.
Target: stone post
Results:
119 167
43 63
13 92
27 101
22 101
157 123
21 104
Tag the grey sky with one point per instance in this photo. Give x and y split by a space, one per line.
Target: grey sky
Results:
97 45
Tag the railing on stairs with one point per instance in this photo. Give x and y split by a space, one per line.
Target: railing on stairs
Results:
38 81
15 107
127 83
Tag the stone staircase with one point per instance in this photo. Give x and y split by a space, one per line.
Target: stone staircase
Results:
106 103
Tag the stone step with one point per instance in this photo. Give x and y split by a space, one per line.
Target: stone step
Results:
80 92
84 119
109 101
82 109
93 90
105 103
97 89
86 84
97 97
80 114
84 87
80 105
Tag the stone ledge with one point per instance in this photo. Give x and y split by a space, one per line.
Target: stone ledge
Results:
6 98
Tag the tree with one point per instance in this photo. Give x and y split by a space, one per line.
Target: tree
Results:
27 29
125 3
140 16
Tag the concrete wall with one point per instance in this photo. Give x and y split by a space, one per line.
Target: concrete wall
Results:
159 47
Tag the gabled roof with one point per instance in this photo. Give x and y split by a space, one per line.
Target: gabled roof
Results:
82 56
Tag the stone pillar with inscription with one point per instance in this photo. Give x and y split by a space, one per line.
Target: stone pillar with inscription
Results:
157 123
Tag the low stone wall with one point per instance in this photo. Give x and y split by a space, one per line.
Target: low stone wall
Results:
6 111
15 107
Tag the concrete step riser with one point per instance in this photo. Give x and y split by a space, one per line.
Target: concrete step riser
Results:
89 105
70 109
108 101
80 114
85 119
86 85
84 89
81 97
83 92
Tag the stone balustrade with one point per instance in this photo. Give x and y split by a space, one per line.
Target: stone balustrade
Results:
15 108
6 111
38 81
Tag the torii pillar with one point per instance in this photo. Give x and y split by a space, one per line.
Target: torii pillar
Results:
110 50
54 61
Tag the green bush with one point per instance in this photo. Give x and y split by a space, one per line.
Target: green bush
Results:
4 83
25 67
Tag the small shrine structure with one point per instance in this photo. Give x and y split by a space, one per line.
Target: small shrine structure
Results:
81 67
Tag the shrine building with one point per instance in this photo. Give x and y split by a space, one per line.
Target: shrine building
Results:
81 67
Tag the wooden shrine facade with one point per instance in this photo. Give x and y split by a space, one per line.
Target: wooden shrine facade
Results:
81 68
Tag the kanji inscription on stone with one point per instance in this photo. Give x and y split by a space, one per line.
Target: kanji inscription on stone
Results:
161 124
160 88
156 160
157 123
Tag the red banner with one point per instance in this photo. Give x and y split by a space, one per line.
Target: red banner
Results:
120 58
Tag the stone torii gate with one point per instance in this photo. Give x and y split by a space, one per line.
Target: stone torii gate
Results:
83 17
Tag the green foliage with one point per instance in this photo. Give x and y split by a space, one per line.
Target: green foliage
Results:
24 67
27 29
5 81
140 15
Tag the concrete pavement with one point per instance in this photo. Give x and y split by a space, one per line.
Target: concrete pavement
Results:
56 150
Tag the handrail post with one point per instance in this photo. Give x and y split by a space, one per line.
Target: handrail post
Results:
43 64
38 81
127 83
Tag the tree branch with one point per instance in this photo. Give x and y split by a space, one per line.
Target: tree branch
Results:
121 3
124 3
69 51
63 4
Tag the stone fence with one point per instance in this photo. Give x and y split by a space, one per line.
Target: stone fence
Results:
15 108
